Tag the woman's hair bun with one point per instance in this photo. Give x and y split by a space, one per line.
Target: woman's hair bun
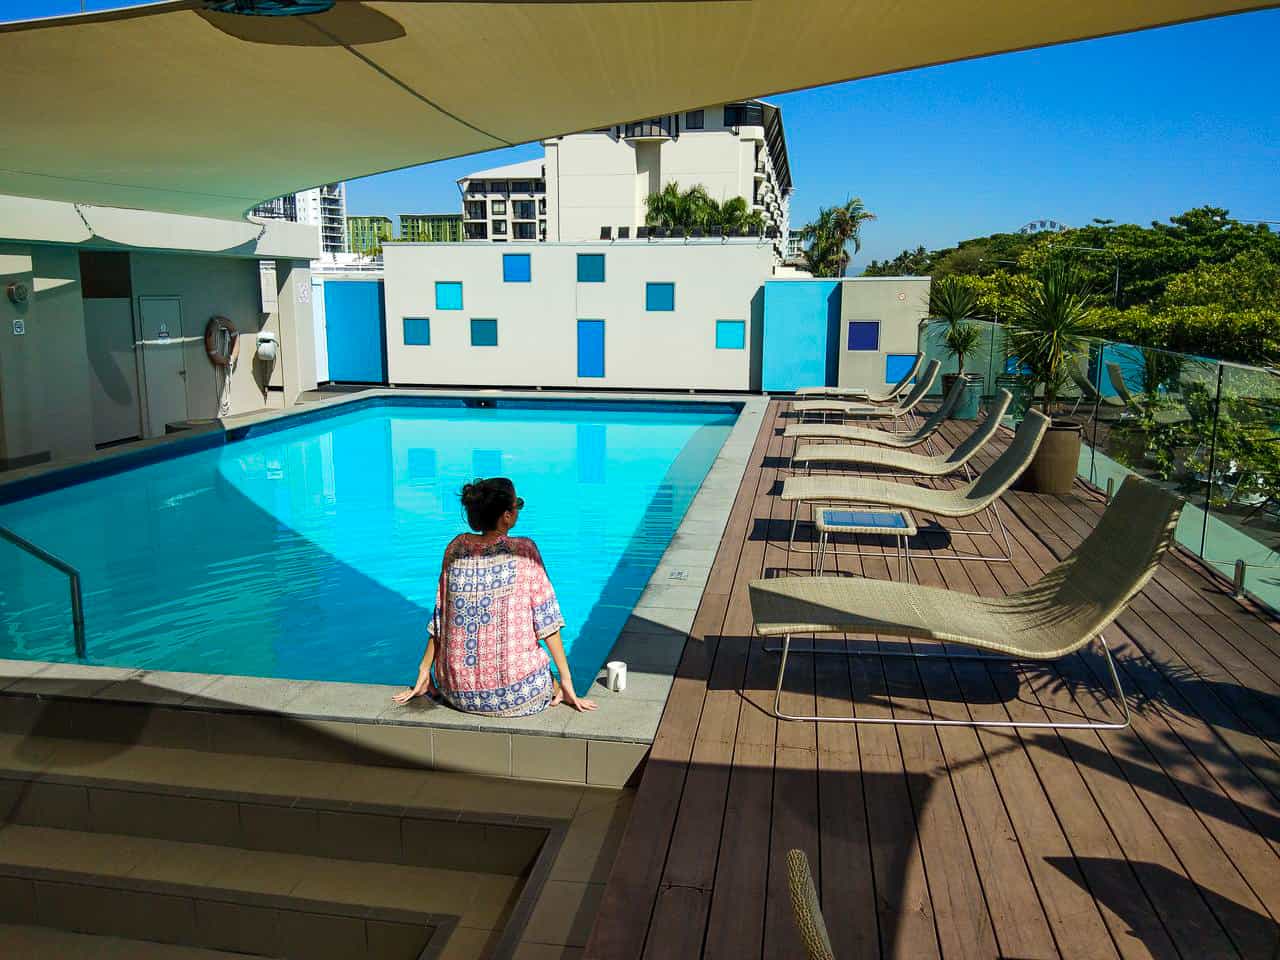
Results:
486 500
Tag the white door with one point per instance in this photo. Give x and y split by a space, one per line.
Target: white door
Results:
164 369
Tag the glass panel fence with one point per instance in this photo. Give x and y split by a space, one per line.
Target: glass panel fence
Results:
1209 430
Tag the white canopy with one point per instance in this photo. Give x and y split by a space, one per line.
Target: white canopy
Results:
174 108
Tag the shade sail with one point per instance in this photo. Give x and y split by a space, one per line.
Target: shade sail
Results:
175 108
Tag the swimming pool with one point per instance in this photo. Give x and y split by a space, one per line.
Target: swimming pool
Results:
308 548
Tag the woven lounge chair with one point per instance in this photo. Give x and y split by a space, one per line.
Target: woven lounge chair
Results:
1060 614
862 393
980 495
867 410
937 465
850 433
1106 407
1164 416
805 908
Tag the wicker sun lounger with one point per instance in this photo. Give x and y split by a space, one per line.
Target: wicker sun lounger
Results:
861 393
851 433
938 465
1060 614
1164 416
1089 394
982 494
848 409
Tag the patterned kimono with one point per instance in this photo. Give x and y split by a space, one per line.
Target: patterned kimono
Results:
494 603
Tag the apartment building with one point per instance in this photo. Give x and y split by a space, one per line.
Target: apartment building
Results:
366 235
507 203
324 207
593 185
431 227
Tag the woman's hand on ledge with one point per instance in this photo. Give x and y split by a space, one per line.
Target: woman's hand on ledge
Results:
568 697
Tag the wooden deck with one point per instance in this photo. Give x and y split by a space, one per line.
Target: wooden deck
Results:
1158 841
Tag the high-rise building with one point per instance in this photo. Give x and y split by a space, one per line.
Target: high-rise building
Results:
324 207
795 247
366 235
431 227
587 184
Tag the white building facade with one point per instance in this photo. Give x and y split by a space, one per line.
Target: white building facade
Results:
593 185
324 207
668 314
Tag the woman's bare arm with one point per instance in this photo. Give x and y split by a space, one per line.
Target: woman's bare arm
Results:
555 646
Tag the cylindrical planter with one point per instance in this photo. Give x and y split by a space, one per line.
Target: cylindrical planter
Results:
1053 469
970 401
947 380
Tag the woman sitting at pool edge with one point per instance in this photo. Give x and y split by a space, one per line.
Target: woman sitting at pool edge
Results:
494 603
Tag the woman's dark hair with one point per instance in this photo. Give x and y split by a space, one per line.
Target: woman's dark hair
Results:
487 500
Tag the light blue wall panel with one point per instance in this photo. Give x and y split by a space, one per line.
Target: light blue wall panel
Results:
801 334
355 318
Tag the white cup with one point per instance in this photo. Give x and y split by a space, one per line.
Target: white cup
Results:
616 675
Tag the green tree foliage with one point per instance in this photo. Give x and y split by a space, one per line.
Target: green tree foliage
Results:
830 235
694 208
1201 283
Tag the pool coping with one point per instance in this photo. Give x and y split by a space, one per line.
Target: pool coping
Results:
613 740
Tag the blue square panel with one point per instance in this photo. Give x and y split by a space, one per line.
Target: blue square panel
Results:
484 333
417 331
591 268
659 296
731 334
516 268
865 335
897 366
448 295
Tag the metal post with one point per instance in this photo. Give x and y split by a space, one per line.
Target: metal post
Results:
1238 580
1111 488
1213 461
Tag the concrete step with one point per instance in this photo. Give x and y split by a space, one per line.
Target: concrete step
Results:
500 865
255 902
24 941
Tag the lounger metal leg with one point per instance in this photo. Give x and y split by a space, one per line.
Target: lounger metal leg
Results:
1118 694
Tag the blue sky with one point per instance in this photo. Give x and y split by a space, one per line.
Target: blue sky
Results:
1134 128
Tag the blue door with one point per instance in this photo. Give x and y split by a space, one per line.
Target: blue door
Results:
591 348
355 324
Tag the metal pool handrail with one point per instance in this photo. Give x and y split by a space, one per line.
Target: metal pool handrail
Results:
77 599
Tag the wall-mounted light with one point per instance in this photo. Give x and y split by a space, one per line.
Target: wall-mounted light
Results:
17 292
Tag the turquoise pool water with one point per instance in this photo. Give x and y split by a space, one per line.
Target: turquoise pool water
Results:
311 552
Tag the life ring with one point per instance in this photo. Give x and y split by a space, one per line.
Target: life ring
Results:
221 341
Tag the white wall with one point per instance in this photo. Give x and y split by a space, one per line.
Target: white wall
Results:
898 304
537 321
208 287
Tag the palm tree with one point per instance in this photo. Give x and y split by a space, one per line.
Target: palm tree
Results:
831 233
695 208
1047 329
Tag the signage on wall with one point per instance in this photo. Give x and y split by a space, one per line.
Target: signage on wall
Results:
19 327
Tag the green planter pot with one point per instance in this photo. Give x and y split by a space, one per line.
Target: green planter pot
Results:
970 401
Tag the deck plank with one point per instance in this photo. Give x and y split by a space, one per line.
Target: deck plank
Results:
1159 841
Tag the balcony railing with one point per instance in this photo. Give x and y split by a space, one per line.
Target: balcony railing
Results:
655 129
1206 428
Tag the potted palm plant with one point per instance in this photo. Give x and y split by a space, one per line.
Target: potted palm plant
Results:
1046 335
954 303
